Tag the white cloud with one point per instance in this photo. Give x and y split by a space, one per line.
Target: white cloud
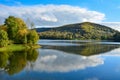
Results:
114 25
114 52
51 15
48 57
59 61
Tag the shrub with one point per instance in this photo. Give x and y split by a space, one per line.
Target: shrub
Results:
32 37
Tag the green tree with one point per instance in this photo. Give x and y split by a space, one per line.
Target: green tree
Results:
21 36
13 26
32 37
3 38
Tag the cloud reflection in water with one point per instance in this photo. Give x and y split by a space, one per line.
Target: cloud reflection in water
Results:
58 61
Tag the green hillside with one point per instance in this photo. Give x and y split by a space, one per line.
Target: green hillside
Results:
78 31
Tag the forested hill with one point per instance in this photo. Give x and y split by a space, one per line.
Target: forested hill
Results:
84 30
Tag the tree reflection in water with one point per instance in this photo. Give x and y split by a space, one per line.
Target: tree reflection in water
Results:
14 62
84 50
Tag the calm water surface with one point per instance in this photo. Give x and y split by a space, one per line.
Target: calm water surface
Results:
63 60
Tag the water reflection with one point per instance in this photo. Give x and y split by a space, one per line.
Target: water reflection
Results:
15 62
3 59
58 61
59 57
85 50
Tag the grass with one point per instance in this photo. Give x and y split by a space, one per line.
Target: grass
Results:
18 47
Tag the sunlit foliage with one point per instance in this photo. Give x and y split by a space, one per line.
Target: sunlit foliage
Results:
3 38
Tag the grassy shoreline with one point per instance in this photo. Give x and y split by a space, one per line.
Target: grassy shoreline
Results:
18 47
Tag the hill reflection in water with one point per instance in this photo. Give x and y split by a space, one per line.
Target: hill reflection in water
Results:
81 48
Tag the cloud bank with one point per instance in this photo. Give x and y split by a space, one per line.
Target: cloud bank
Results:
51 15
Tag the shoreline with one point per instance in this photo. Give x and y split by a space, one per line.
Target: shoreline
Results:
18 47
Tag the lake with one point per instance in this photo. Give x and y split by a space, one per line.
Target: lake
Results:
63 60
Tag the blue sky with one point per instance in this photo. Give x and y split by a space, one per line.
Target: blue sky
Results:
106 10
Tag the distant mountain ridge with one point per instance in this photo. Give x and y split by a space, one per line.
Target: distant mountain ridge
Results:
85 30
42 29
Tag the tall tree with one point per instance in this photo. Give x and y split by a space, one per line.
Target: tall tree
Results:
13 26
30 24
